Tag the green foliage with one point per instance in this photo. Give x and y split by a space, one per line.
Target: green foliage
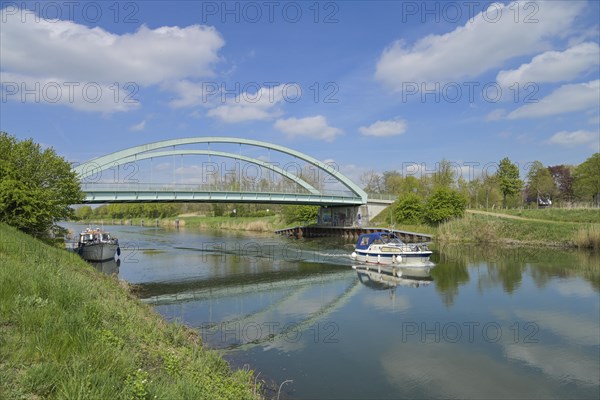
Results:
508 178
301 214
587 179
443 205
37 187
218 209
540 181
409 209
130 210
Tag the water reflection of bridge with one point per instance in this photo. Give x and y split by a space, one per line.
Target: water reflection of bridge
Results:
291 288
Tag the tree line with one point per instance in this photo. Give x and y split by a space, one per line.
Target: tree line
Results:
563 184
438 196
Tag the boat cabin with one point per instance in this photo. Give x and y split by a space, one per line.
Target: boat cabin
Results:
367 239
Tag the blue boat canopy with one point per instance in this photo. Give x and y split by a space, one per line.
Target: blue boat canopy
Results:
365 240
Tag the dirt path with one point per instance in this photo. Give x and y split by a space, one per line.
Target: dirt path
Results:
500 215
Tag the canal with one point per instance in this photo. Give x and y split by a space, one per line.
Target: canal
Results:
485 323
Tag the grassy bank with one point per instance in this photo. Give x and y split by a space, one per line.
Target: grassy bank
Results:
253 224
69 332
552 228
490 229
575 215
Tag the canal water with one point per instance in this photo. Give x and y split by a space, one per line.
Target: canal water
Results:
485 323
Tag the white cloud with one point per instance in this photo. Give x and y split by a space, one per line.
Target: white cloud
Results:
260 105
64 51
82 96
495 115
575 138
384 128
482 44
139 127
310 127
567 98
554 66
164 166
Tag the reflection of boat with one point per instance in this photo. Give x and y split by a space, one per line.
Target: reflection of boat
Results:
97 245
107 267
384 277
386 248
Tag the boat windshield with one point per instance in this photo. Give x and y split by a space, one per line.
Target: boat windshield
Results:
391 239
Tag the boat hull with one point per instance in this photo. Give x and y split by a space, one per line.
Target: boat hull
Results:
98 251
406 258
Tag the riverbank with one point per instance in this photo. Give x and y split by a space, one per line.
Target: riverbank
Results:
566 228
252 224
67 331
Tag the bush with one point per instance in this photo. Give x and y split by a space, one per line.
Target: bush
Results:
302 214
443 205
409 209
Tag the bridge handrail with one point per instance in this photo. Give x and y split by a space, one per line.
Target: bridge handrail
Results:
209 188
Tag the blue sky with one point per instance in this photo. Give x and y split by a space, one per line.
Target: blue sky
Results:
368 85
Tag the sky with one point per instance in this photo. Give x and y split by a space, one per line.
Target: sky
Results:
367 85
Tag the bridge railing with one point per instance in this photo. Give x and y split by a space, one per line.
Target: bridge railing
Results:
207 188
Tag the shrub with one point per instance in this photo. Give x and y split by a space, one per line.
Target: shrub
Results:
409 209
443 205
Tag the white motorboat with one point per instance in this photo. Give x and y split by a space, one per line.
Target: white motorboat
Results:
387 249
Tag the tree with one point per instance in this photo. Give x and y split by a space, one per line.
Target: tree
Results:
372 182
444 176
84 213
539 181
409 208
443 205
392 182
587 179
508 179
563 181
37 187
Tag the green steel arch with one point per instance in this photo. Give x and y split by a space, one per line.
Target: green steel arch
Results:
156 154
101 163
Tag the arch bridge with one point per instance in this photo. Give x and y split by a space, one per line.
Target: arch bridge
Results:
101 181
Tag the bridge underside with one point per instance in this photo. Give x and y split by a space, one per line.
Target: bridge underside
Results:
141 196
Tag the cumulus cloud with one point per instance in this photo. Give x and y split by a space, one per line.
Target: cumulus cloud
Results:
139 127
575 138
82 96
65 51
567 98
310 127
485 42
554 66
384 128
246 106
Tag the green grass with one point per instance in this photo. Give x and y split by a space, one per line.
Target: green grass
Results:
475 228
581 215
552 227
69 332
